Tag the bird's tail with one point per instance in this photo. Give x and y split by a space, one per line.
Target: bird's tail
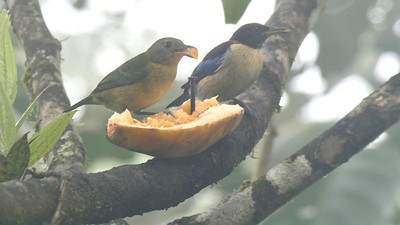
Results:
85 101
178 101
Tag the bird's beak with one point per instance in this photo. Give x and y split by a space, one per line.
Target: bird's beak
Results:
188 51
273 31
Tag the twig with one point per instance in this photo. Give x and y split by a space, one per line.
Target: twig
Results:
266 150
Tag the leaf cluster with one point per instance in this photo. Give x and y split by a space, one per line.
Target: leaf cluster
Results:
17 155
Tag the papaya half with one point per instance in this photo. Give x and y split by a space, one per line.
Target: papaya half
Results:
175 134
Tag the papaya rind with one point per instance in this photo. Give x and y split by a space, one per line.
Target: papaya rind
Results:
177 141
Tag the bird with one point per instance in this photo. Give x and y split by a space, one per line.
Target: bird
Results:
141 81
229 68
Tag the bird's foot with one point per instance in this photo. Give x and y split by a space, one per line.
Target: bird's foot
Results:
170 109
243 105
240 103
144 113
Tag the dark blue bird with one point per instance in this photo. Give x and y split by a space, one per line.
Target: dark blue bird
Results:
230 68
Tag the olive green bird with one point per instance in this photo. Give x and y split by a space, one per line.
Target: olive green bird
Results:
141 81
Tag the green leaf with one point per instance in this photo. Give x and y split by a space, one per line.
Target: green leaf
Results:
8 86
43 141
14 165
234 9
8 67
28 111
18 158
7 123
3 168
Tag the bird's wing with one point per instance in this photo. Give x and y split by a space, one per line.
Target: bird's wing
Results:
131 71
178 101
212 61
207 67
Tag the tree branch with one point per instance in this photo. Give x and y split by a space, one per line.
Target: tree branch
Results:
43 69
257 200
160 183
266 149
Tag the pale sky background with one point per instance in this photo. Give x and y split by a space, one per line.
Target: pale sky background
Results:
104 44
146 21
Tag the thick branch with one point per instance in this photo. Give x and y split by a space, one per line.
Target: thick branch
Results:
43 69
337 145
162 183
28 202
135 189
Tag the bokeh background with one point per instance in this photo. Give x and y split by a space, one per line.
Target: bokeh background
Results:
353 48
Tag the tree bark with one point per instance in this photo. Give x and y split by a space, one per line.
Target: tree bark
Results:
162 183
254 201
43 60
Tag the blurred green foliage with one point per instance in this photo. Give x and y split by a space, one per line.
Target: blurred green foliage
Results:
363 191
366 189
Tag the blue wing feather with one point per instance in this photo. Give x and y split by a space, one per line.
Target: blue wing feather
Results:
211 62
207 67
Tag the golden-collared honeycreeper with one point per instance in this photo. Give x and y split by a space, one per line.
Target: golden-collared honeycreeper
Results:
231 67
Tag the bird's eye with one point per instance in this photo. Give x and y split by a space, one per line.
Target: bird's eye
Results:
167 44
256 29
